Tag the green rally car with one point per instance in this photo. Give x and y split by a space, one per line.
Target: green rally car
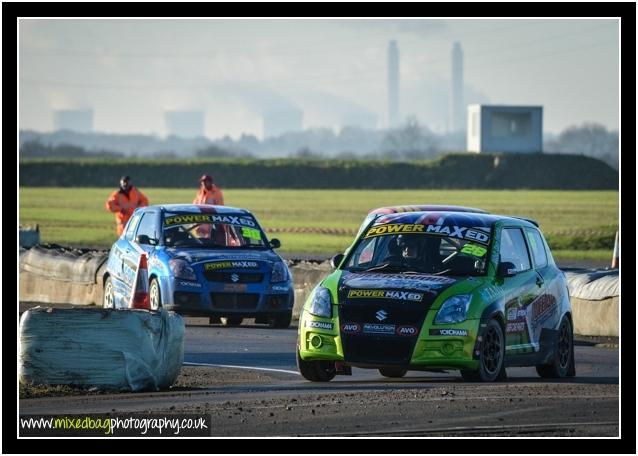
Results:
436 291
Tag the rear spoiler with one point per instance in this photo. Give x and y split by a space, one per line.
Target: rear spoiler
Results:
533 222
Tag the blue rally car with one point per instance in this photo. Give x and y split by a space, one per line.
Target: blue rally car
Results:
203 260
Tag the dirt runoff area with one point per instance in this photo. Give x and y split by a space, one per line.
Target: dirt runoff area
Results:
252 403
189 378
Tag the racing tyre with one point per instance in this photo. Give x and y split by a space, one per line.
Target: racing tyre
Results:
108 302
231 321
492 357
316 371
155 295
281 321
562 364
392 372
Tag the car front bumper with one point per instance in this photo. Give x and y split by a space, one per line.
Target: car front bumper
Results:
212 299
435 347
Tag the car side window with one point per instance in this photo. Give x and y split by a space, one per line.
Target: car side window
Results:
537 247
368 252
147 225
130 229
513 249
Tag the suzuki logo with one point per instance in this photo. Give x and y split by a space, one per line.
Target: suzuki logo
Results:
381 315
234 277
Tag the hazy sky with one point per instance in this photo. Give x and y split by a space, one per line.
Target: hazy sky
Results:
130 71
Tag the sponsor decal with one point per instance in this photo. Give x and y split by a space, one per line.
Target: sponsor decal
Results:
230 265
381 315
387 294
419 282
542 308
234 277
186 218
407 330
378 328
448 332
366 294
375 278
516 313
515 327
189 284
251 233
319 325
394 228
460 232
474 250
351 328
128 273
208 218
231 220
278 288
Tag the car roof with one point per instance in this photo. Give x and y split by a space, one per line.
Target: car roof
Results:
425 207
450 218
200 209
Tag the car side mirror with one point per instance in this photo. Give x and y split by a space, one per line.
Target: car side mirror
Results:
275 243
144 239
506 269
336 260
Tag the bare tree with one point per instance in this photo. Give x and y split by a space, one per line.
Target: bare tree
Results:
411 141
590 139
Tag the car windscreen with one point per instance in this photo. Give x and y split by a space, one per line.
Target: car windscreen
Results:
431 249
212 231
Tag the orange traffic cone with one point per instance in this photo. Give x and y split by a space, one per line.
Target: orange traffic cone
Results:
615 260
139 296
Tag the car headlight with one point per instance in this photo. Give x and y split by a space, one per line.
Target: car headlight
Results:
279 273
453 310
182 270
321 304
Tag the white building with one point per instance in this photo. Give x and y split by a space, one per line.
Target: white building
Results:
504 128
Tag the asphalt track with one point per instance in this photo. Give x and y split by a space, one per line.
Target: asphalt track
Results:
246 379
261 347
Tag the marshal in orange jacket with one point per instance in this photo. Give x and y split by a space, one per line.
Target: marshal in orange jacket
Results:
124 204
212 196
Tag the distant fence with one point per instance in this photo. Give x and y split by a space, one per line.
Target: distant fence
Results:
313 230
458 171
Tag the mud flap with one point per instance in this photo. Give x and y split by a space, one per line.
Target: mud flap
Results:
342 369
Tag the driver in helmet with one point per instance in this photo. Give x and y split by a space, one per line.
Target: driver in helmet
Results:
420 251
410 248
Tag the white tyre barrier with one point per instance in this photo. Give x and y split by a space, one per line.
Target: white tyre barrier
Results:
61 263
595 298
126 350
52 274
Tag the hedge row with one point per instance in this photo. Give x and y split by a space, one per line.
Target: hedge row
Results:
472 171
